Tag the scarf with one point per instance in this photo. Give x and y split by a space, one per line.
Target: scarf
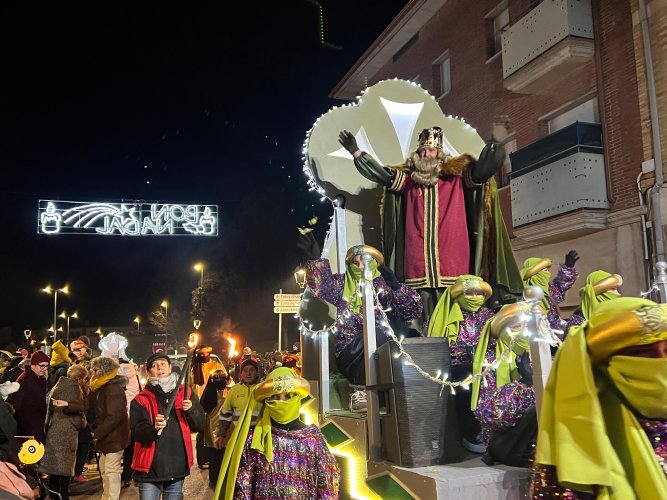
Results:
540 279
506 371
96 383
262 440
352 276
282 412
167 383
448 313
588 298
588 428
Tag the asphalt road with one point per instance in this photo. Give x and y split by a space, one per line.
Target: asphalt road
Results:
196 485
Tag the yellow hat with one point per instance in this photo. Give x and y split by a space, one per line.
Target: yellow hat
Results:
531 270
623 323
282 380
362 249
468 283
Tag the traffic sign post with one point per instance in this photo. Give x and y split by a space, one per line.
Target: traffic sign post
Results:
285 303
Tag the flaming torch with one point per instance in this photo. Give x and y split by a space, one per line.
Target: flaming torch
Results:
232 347
193 342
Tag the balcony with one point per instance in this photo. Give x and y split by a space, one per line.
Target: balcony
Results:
552 40
561 173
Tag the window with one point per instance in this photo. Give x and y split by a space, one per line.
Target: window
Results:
497 21
585 112
442 68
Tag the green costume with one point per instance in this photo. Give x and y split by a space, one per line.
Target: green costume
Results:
589 428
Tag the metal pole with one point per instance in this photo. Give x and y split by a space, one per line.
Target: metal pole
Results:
280 328
55 302
373 414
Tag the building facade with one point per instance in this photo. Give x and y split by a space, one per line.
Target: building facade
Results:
577 95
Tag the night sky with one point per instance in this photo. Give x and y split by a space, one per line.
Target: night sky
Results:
176 102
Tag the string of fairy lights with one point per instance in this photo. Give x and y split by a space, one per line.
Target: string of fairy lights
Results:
440 378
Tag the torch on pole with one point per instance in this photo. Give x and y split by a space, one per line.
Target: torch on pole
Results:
193 342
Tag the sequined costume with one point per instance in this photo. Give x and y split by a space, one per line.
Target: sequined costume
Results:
558 287
499 409
405 303
302 467
470 330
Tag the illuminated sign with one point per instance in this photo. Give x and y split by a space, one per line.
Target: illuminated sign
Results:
127 218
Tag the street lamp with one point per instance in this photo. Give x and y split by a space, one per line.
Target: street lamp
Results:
55 291
165 304
300 278
200 267
64 315
27 334
137 320
99 332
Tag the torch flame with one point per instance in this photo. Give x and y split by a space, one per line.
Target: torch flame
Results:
232 346
193 341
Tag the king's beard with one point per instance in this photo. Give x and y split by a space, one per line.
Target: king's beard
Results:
425 171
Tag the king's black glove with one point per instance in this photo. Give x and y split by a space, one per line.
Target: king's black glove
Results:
389 277
571 258
309 246
347 140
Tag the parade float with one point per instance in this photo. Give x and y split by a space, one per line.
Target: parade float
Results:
406 445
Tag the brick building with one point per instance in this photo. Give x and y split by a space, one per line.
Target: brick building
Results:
567 82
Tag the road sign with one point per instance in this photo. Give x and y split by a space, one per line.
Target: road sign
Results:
287 296
286 309
286 303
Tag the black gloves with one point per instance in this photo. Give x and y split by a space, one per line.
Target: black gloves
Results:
348 141
309 246
490 161
389 277
571 258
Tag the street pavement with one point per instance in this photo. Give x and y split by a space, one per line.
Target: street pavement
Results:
196 485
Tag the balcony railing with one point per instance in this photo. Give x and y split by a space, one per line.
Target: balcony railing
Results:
550 41
560 173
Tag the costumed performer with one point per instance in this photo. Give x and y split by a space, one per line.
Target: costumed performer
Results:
341 290
460 316
603 423
537 272
601 286
442 219
281 457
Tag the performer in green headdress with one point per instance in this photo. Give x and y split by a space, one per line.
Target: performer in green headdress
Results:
281 457
460 316
601 286
603 423
537 272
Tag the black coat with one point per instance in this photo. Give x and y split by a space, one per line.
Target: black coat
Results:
30 405
170 460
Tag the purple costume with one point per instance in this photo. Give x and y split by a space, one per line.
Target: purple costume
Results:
558 287
302 467
405 302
